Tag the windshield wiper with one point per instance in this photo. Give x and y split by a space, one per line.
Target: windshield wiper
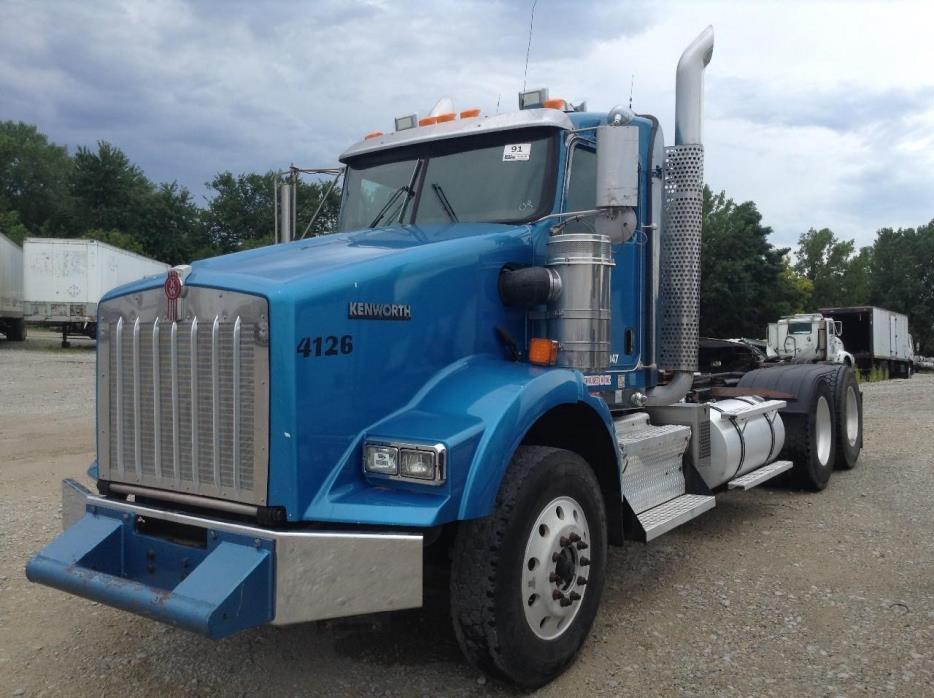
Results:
445 204
404 189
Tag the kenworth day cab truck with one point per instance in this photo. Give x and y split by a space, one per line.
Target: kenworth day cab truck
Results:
493 356
809 337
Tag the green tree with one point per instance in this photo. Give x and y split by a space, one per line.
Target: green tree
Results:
171 227
241 212
124 241
110 192
824 260
903 277
11 226
34 175
745 281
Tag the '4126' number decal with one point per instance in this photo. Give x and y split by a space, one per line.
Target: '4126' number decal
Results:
325 346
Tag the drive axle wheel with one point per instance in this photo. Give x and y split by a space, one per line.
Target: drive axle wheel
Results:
849 418
526 580
811 439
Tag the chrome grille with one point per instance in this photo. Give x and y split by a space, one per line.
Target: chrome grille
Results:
184 405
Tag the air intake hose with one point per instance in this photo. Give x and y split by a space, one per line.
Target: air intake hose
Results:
524 287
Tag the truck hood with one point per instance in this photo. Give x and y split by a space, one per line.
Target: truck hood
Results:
264 269
268 271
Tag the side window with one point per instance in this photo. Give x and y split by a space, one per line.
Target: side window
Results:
582 187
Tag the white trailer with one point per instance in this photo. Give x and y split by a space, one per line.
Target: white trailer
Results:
64 279
11 290
877 338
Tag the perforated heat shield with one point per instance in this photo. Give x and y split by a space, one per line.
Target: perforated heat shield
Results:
679 302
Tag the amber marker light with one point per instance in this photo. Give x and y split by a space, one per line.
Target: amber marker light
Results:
446 117
372 134
470 113
556 103
428 121
543 352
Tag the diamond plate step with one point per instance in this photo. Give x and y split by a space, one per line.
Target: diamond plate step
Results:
760 475
673 513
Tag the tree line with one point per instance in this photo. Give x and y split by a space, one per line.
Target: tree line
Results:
98 193
746 282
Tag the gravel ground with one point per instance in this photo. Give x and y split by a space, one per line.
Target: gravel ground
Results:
773 593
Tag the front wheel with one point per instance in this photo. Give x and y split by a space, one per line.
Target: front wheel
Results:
526 581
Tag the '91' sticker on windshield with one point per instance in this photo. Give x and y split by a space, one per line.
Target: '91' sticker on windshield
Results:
517 151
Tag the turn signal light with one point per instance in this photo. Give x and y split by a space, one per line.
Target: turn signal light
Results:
470 113
543 352
428 121
556 103
372 134
446 117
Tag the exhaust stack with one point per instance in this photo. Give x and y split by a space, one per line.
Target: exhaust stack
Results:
678 313
689 89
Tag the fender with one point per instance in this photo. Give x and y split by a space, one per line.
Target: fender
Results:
481 408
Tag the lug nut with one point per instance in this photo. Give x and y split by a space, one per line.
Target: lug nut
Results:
574 537
574 596
582 546
582 580
553 577
564 541
565 602
557 595
584 561
555 557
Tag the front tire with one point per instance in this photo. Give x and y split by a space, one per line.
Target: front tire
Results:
526 580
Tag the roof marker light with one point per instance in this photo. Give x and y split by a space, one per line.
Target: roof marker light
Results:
533 99
406 122
556 103
470 113
428 121
372 134
446 117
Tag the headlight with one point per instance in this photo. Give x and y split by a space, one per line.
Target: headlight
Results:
423 463
383 460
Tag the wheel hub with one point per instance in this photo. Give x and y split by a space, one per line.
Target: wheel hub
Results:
555 567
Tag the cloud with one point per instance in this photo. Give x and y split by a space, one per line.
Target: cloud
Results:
822 117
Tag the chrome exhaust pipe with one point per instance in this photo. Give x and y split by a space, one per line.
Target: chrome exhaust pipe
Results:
678 313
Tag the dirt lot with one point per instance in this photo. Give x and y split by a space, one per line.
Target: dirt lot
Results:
774 592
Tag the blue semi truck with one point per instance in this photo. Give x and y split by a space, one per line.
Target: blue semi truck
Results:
493 355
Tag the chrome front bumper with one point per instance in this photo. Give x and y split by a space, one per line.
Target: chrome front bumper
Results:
225 577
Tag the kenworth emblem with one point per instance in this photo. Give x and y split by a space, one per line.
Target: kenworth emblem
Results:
379 311
174 285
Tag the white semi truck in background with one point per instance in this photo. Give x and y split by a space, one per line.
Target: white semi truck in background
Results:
808 337
11 290
65 278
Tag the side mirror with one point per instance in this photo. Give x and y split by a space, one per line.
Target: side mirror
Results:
617 178
838 327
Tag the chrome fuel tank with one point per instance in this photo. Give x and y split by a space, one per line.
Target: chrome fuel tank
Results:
745 433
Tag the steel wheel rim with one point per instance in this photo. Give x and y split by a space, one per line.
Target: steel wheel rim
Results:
852 416
824 430
553 567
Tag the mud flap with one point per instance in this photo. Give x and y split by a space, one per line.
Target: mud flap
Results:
212 582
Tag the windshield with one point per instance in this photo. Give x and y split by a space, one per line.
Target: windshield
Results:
494 178
799 328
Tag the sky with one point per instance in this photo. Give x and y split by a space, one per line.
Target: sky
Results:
820 112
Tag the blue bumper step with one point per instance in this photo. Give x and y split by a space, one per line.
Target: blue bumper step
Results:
214 582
